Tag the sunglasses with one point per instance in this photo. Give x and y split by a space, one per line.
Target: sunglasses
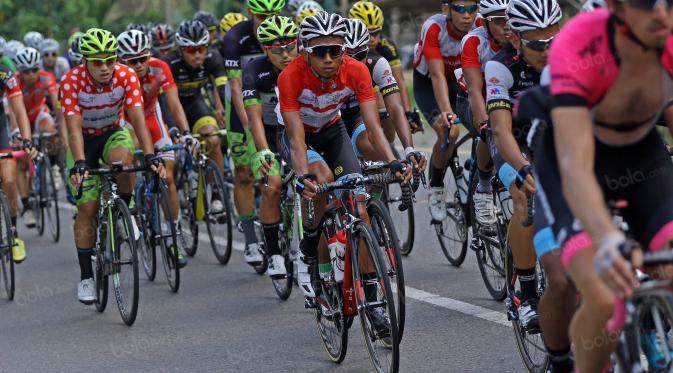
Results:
497 20
648 4
462 9
279 49
375 33
321 51
50 54
358 54
537 45
99 62
137 59
201 49
34 70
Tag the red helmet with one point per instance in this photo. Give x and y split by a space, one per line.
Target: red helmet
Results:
163 36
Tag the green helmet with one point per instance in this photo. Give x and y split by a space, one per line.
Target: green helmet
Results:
266 6
275 28
97 40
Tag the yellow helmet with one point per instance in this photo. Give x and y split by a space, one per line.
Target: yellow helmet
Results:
306 13
369 13
230 20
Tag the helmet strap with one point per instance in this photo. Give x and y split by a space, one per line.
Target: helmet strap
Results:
624 29
323 80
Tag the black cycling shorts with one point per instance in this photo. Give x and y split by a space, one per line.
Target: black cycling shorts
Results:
195 109
640 173
425 96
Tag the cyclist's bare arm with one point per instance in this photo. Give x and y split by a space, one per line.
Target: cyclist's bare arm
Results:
398 74
575 151
370 115
176 109
236 84
295 133
475 87
256 126
394 107
19 112
501 123
440 88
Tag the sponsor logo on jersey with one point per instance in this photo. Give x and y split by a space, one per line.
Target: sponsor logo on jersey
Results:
231 63
265 73
248 92
243 39
338 171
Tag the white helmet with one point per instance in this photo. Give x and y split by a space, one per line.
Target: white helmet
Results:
49 45
293 5
309 4
358 35
28 58
33 39
590 5
12 48
487 7
132 43
525 15
322 24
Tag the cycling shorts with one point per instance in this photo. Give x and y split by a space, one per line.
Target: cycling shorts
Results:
270 132
96 151
283 143
425 96
198 114
640 173
41 116
239 140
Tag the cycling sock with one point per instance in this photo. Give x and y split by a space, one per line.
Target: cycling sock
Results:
484 185
13 219
437 176
560 360
53 159
126 197
248 225
528 282
84 257
25 203
271 238
309 244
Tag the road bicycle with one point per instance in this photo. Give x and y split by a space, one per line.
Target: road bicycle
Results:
43 195
7 238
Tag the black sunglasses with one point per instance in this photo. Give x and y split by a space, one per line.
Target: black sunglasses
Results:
537 45
458 8
138 59
50 54
34 70
321 51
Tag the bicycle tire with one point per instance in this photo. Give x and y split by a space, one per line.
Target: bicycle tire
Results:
188 227
49 201
121 219
6 244
283 284
330 321
146 248
383 227
362 230
215 183
260 268
520 333
36 185
401 218
161 208
488 249
101 281
455 247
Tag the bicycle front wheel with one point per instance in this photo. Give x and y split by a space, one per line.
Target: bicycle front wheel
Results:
124 273
376 303
189 230
384 230
166 235
6 244
49 201
452 231
218 221
145 244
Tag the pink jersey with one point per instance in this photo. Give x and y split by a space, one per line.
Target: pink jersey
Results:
582 64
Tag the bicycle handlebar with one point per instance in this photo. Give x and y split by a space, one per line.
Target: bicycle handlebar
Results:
167 148
115 168
447 139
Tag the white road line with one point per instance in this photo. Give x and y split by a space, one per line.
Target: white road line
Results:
412 293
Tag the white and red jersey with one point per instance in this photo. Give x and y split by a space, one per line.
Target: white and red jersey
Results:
35 98
477 49
439 42
101 108
159 78
319 102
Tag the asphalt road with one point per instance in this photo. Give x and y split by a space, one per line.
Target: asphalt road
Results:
229 319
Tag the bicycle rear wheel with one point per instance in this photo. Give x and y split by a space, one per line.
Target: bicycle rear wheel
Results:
6 244
166 235
189 229
452 232
124 261
405 221
382 342
332 324
218 222
49 201
384 230
146 248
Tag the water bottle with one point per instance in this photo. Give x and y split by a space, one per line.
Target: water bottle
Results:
337 252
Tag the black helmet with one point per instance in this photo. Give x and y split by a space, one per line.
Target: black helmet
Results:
206 18
192 33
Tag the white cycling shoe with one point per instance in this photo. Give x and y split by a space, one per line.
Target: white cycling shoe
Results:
86 291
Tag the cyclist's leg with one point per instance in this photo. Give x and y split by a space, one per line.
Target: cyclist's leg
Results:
22 165
8 175
119 148
242 149
161 138
269 212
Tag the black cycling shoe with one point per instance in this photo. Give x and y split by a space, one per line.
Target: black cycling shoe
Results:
528 316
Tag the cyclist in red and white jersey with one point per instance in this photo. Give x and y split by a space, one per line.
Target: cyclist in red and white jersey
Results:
312 90
95 96
36 85
156 78
478 47
436 55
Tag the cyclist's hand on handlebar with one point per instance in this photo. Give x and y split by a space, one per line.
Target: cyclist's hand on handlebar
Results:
401 170
307 186
221 119
263 160
156 164
191 143
414 119
612 267
448 119
27 145
417 159
78 172
524 180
